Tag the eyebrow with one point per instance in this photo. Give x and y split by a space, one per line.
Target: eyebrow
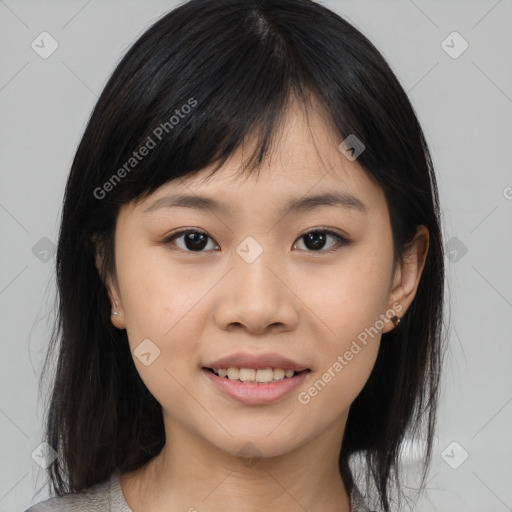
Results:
336 198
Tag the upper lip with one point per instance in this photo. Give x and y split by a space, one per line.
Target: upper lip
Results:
256 361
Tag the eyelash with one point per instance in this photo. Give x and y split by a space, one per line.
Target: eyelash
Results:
341 241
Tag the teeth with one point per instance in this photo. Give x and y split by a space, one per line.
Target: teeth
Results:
279 374
247 375
264 375
233 373
252 375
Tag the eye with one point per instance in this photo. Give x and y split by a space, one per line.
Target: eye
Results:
195 240
315 240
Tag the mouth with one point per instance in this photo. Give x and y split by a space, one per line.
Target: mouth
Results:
251 386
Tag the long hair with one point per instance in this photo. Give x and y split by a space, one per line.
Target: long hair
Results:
199 82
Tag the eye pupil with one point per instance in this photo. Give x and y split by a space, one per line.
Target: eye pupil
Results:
195 238
317 239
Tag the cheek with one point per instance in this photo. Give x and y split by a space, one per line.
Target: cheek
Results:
348 297
347 333
161 301
165 305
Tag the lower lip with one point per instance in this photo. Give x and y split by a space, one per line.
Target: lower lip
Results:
255 393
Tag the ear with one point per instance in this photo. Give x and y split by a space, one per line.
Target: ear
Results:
408 274
110 284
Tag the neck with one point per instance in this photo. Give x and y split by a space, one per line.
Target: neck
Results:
191 474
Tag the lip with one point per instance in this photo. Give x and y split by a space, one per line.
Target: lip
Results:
255 393
255 362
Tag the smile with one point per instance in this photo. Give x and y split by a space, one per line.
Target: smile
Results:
255 386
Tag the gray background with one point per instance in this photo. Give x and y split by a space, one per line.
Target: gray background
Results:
464 105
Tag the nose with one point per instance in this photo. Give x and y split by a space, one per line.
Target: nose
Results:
257 296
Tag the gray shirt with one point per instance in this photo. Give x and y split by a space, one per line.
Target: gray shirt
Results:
107 496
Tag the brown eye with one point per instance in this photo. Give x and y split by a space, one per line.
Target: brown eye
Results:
315 240
194 240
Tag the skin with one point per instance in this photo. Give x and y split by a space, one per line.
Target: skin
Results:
304 304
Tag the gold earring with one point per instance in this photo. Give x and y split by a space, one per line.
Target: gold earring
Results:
395 320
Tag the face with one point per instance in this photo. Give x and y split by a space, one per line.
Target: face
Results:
261 284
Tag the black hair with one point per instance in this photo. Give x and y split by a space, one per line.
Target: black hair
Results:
199 82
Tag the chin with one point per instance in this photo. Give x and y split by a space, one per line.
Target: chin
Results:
260 445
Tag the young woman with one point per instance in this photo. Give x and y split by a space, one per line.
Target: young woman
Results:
250 273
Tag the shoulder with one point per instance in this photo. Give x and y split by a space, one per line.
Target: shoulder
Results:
93 499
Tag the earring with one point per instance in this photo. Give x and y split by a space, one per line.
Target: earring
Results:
115 313
395 320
